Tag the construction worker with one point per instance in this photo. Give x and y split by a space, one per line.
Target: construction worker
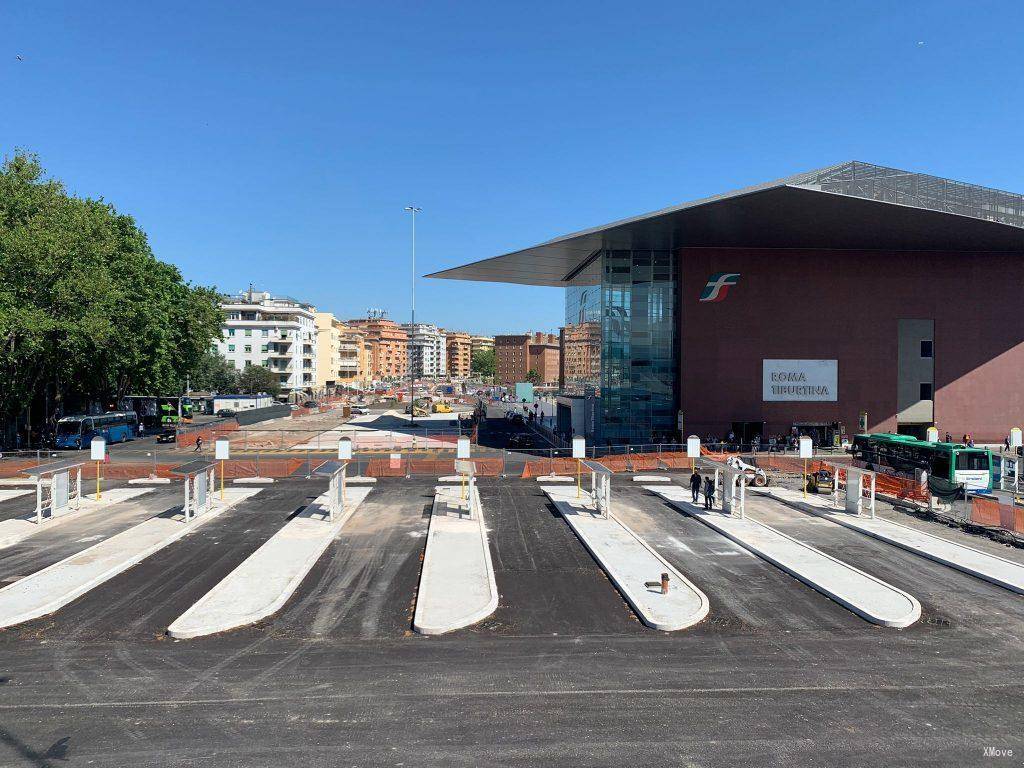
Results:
695 483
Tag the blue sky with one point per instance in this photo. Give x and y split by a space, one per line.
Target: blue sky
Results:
278 143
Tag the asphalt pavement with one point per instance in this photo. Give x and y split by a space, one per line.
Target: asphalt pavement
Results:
561 675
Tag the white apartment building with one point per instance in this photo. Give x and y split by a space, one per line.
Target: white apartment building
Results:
428 350
275 331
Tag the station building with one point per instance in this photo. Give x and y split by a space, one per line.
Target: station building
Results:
846 299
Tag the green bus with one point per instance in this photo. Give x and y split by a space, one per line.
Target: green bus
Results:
903 456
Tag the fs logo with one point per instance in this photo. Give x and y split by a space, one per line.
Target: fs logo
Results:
718 286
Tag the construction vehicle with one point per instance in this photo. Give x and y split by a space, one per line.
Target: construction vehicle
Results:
442 407
755 475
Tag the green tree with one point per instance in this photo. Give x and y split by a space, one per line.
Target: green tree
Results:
214 374
533 377
484 362
87 312
255 379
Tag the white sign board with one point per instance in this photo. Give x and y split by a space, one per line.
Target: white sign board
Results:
932 435
800 380
806 448
345 448
221 450
693 447
98 449
579 448
1015 437
462 448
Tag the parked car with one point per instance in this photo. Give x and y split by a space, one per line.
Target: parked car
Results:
311 404
358 410
167 436
226 413
521 440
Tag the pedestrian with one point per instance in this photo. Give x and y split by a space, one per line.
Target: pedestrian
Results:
695 482
709 493
199 444
949 437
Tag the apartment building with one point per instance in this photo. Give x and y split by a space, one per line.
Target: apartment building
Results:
460 353
278 332
480 344
518 354
389 343
428 353
341 353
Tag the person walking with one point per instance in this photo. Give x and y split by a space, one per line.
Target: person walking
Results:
709 493
695 483
199 444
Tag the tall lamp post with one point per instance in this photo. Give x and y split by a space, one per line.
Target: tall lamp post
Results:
408 354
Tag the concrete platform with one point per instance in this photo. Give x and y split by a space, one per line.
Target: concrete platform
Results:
264 581
992 568
360 480
457 586
867 596
253 480
13 493
46 591
630 563
556 479
652 479
18 529
150 481
17 481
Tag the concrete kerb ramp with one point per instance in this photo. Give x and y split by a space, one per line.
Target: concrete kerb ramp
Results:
865 595
261 585
992 568
631 564
457 586
51 588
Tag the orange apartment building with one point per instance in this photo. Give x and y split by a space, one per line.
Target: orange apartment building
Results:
460 353
389 347
581 357
518 354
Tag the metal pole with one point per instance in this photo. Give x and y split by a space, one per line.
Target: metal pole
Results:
408 355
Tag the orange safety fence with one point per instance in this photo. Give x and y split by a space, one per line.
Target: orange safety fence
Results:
991 513
296 412
557 466
385 468
900 488
643 462
614 463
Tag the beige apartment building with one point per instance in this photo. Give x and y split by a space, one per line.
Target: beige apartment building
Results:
518 354
389 347
460 354
342 353
480 343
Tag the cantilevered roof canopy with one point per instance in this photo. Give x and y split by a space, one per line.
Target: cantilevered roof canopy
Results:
852 205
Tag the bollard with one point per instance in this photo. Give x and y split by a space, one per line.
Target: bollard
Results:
663 584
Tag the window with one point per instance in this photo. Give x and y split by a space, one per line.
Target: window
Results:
231 331
972 460
926 390
264 348
248 331
265 333
926 348
231 347
248 347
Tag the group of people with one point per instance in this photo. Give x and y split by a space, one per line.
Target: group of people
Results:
707 485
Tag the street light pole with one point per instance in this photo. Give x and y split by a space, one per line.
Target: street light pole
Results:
408 348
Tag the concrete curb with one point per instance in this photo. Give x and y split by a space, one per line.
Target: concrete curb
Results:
179 628
704 605
64 598
556 479
467 619
906 621
149 481
652 479
253 480
836 517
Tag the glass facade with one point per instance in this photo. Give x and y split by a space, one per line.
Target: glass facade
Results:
621 346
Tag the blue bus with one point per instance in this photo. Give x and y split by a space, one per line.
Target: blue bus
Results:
114 427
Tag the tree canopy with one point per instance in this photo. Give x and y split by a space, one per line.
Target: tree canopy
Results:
484 362
534 377
87 312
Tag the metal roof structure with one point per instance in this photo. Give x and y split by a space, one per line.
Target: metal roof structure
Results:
852 205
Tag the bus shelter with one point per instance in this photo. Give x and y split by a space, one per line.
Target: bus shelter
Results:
600 487
466 469
199 483
58 488
336 472
854 487
733 484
